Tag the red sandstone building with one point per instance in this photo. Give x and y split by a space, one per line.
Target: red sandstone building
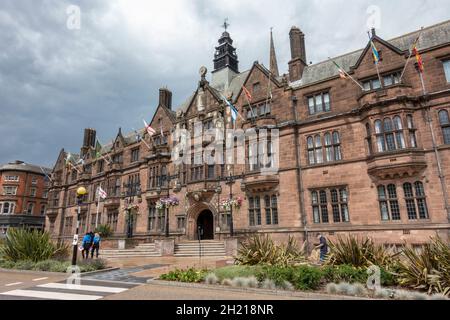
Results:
23 195
370 161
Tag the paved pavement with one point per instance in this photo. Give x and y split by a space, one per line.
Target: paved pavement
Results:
125 275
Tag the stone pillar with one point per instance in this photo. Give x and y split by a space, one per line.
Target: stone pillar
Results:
121 244
166 247
231 246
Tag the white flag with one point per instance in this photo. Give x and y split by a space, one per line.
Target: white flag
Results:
101 193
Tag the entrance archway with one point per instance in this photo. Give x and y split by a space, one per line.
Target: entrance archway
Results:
205 225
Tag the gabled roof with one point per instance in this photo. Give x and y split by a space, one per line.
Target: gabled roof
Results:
432 36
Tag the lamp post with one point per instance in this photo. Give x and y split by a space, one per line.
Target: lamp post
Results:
168 178
230 181
131 190
81 192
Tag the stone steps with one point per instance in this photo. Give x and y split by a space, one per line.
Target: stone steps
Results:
207 248
144 250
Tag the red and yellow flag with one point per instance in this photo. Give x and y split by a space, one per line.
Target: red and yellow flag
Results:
418 58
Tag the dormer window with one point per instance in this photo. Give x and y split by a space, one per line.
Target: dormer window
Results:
388 80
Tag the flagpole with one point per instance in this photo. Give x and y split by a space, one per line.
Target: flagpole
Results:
250 106
98 206
410 55
423 83
377 60
347 74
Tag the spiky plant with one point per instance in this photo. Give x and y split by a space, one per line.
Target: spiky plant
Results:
252 282
227 282
331 288
344 288
268 284
428 268
30 245
262 250
359 252
211 278
239 282
359 290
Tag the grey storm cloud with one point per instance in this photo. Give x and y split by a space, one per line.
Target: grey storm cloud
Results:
55 81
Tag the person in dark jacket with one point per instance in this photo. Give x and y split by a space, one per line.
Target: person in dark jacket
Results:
95 245
323 247
86 244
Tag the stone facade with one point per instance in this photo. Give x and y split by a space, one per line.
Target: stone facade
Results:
369 162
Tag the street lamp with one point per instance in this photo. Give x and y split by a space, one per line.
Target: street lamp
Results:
81 192
167 179
132 190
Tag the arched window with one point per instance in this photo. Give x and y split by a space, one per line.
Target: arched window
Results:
311 158
388 201
337 146
412 131
318 149
445 125
421 201
323 206
400 139
369 138
315 205
381 146
328 147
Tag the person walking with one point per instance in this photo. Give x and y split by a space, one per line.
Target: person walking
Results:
323 247
95 245
86 244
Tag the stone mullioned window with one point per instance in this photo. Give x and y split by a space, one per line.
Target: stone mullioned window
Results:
333 198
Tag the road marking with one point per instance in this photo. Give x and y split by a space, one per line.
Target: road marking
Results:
39 279
50 295
82 287
13 284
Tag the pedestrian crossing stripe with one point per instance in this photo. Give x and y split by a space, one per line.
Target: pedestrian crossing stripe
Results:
92 290
50 295
82 287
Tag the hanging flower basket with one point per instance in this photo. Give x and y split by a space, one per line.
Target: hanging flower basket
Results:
227 204
168 202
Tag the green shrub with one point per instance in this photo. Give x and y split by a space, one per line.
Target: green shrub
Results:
22 244
24 265
344 273
92 265
262 250
7 264
104 230
277 274
306 278
231 272
189 275
45 265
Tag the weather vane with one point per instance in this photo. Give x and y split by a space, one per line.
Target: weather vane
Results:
225 24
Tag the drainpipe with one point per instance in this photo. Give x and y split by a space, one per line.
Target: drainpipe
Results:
438 160
301 196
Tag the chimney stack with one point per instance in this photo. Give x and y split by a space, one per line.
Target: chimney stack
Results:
298 54
165 98
88 140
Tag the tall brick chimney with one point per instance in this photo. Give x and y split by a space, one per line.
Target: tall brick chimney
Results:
88 140
298 54
165 98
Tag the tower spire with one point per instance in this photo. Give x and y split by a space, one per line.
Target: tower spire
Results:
273 57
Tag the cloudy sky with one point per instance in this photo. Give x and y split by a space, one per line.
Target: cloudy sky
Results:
56 80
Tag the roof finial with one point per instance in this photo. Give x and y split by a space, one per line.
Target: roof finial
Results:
225 24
